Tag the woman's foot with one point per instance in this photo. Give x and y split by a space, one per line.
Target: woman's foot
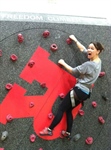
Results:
66 134
46 131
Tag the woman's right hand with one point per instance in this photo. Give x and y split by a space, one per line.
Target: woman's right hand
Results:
61 62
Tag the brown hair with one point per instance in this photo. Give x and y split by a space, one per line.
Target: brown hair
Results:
98 46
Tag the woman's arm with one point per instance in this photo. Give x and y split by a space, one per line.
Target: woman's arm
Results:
71 70
79 45
65 65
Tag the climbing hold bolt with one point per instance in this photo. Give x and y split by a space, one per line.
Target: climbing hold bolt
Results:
50 115
46 33
31 63
81 112
101 119
89 140
9 118
69 41
13 57
94 104
53 47
32 137
20 38
4 135
102 74
31 104
8 86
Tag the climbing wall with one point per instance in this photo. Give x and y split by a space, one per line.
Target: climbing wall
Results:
33 85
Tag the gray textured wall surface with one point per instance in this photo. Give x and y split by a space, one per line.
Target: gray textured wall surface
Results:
20 129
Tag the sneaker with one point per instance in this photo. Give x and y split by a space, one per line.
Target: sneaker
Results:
66 134
46 131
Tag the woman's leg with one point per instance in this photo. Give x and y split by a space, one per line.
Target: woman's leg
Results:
69 111
57 119
69 120
64 106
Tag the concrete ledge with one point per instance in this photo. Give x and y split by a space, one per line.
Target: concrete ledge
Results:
36 17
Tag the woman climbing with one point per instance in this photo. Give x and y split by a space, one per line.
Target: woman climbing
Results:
86 74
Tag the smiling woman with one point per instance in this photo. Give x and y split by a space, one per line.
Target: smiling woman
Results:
94 49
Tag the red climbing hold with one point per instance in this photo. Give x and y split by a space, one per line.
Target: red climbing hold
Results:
31 63
8 86
94 104
62 95
101 119
40 148
32 137
92 85
53 47
102 74
69 41
43 85
0 52
50 115
9 118
89 140
2 149
20 38
13 57
31 104
46 33
60 65
81 112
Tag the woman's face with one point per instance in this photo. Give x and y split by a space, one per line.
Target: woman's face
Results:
92 52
